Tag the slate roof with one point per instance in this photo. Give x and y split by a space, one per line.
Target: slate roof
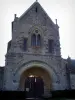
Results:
72 66
73 62
1 69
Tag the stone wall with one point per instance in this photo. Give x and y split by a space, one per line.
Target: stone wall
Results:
1 77
72 80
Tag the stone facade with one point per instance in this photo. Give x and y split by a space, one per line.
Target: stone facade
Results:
1 77
19 61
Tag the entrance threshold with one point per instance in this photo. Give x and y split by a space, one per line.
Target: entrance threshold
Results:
32 98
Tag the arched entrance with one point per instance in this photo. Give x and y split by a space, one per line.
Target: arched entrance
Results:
35 81
34 86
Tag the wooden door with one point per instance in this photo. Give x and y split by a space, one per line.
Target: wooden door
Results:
34 87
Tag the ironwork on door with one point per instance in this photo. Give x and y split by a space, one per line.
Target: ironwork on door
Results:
34 87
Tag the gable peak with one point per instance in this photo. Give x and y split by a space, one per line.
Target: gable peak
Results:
35 5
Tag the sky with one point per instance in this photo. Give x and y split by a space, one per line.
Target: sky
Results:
62 10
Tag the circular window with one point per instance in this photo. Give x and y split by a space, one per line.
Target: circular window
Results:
36 31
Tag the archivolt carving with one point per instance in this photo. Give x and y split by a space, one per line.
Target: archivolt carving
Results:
41 64
31 30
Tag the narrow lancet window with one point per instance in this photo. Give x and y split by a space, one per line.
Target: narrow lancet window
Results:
38 40
25 44
51 46
33 40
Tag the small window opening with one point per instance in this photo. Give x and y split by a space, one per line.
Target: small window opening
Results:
51 46
33 40
36 9
25 44
38 40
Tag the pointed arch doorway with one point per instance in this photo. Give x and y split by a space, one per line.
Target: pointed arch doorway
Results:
34 86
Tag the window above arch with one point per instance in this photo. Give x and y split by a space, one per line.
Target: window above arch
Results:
25 44
33 40
36 40
51 45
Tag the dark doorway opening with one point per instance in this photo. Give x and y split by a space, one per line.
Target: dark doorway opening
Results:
34 87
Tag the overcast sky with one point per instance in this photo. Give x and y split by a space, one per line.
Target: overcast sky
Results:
63 10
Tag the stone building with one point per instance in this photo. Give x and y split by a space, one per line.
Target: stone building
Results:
33 59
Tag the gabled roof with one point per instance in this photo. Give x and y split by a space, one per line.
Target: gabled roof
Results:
73 62
72 66
1 69
32 6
